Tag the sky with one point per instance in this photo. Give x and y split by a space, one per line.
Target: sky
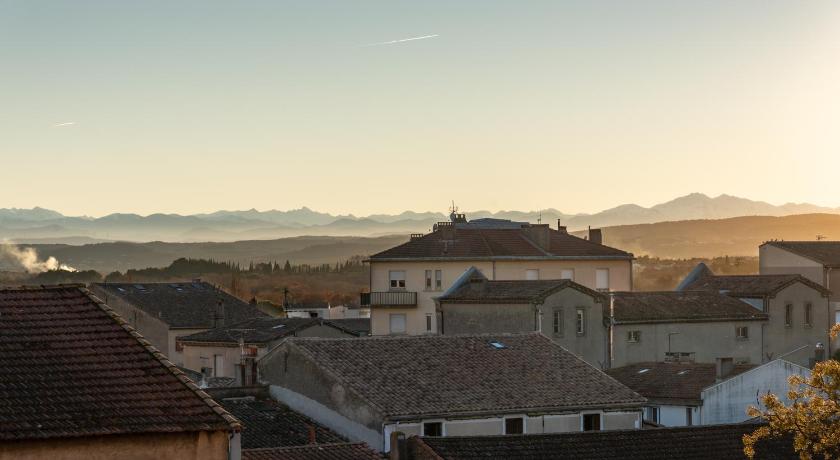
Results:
372 106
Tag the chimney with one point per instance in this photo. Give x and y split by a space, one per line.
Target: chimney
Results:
539 234
446 229
561 228
819 354
723 367
595 235
399 449
311 430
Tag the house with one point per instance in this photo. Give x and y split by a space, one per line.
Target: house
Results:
573 315
78 382
673 389
719 442
818 261
164 311
231 351
727 401
326 311
338 451
799 317
698 326
405 279
367 388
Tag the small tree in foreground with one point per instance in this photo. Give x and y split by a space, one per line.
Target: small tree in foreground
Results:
812 418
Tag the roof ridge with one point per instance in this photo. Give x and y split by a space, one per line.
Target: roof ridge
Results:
232 421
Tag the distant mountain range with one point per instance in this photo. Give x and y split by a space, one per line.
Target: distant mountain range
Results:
40 225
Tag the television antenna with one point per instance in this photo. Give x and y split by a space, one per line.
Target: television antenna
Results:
453 209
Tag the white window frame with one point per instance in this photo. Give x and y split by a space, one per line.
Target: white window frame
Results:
430 323
600 420
809 314
438 280
567 274
788 314
428 280
634 336
580 321
557 321
740 336
521 417
392 278
218 364
442 426
599 271
391 323
532 274
652 410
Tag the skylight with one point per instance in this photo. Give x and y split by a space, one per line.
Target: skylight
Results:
642 371
279 326
683 372
497 345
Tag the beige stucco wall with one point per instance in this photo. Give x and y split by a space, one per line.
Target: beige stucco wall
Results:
773 260
584 273
780 339
172 446
707 340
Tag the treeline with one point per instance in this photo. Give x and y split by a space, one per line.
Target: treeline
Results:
185 267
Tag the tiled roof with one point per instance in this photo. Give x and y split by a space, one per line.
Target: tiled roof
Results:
678 383
824 252
360 326
267 423
719 442
681 306
338 451
751 285
511 291
182 305
259 331
475 243
425 375
73 367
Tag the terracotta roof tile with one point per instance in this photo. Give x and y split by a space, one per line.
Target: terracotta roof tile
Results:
338 451
481 290
671 382
267 423
672 306
751 285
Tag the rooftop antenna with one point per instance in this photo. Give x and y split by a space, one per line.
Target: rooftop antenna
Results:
539 219
453 209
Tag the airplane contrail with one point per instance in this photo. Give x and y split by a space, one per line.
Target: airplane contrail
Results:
402 40
66 123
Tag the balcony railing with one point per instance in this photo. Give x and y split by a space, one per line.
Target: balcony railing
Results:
388 299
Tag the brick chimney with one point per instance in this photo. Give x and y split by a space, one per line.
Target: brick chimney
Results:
595 235
540 234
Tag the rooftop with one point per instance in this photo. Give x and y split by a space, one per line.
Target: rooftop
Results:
681 306
720 442
257 331
751 285
465 374
500 242
360 326
73 367
267 423
476 288
182 305
824 252
677 383
336 451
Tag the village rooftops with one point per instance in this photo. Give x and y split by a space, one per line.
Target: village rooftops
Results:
679 383
259 331
334 451
182 305
681 306
473 287
752 285
719 442
409 376
72 367
826 253
513 241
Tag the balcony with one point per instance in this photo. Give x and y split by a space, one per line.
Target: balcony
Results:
388 299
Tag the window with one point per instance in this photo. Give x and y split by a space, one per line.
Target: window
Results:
514 425
742 332
532 274
438 279
428 323
433 429
602 279
557 322
428 280
808 309
652 414
591 422
634 336
567 274
218 364
397 279
789 315
397 323
580 321
688 416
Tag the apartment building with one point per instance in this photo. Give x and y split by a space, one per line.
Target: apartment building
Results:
405 280
819 261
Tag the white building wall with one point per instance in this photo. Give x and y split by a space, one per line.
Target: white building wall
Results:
727 401
676 415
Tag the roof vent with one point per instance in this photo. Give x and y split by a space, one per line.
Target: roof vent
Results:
642 371
498 345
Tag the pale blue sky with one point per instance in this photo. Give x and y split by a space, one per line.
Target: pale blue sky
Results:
177 106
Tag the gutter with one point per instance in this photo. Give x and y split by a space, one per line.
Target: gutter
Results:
495 258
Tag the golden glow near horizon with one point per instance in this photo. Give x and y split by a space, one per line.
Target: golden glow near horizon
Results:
578 106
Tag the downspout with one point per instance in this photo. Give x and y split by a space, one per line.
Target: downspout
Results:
827 285
610 351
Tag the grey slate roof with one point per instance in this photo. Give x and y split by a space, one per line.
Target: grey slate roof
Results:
360 326
494 243
182 305
751 285
719 442
464 374
478 289
824 252
676 383
257 331
681 306
335 451
72 367
267 423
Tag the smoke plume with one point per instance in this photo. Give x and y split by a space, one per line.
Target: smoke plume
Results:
27 258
